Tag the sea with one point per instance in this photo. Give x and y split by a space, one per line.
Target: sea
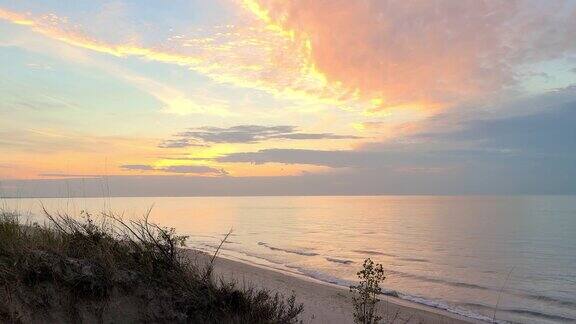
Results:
494 258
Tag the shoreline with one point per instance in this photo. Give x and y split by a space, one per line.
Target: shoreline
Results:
324 302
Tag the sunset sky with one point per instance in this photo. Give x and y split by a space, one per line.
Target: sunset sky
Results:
231 97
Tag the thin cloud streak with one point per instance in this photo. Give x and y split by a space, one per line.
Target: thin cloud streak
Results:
179 169
246 134
290 78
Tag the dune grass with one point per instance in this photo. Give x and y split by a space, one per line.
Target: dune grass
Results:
112 270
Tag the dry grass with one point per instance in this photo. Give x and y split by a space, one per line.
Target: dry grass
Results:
112 270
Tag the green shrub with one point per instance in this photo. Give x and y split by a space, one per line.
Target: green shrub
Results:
366 293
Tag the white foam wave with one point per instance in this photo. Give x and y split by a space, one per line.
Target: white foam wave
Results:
321 276
342 261
299 252
448 308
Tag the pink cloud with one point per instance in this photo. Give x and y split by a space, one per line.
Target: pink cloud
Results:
415 51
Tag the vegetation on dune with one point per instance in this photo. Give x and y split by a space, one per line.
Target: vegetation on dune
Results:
114 270
366 293
73 270
365 296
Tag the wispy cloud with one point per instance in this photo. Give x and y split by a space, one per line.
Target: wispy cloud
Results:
39 66
180 169
59 29
194 169
333 159
69 175
175 101
179 143
138 167
277 65
201 136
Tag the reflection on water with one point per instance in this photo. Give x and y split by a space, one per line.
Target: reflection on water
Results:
449 252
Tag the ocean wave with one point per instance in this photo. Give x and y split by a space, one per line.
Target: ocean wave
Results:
370 252
299 252
213 246
539 315
541 298
321 276
341 261
413 259
390 292
530 313
201 235
549 299
237 251
438 280
449 308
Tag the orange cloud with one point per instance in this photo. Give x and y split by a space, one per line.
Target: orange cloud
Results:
15 18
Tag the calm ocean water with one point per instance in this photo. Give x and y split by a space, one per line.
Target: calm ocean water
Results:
449 252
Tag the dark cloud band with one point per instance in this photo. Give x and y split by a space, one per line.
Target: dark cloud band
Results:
201 136
181 169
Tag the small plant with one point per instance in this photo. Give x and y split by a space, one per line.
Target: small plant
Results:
366 293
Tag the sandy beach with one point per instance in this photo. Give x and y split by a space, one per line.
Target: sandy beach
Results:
323 302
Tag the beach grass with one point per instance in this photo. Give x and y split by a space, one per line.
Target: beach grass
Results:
107 269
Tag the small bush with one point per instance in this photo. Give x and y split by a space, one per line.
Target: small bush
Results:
366 293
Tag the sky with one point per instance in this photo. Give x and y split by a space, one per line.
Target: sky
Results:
271 97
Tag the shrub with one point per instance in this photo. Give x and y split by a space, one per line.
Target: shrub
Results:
113 270
366 293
